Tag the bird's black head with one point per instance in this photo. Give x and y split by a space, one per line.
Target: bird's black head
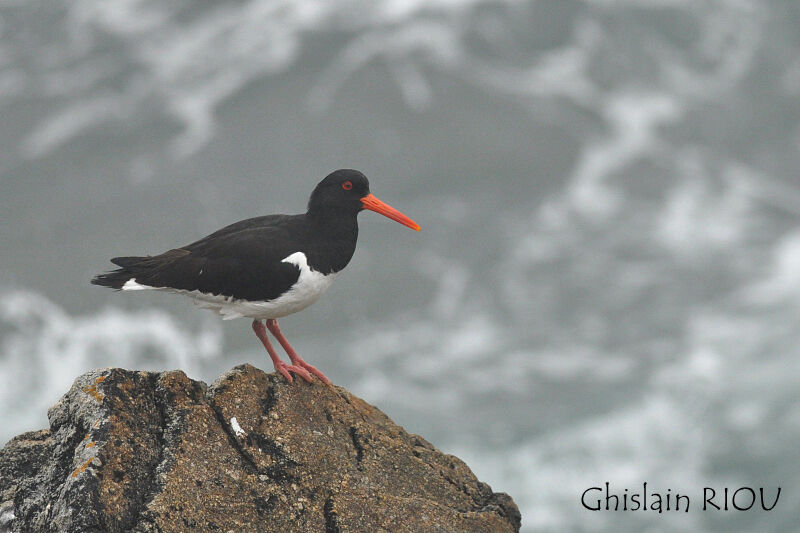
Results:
341 190
346 191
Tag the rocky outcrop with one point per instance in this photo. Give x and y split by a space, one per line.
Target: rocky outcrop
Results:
147 452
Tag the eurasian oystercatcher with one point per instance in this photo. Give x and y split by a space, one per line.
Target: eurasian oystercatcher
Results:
265 267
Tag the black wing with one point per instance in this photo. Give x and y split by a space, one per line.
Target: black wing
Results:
243 260
267 221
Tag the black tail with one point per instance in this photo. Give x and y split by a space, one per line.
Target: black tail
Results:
131 261
114 279
136 267
117 278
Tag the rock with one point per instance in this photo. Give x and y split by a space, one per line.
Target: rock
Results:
147 452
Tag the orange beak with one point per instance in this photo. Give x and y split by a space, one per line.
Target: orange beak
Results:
373 204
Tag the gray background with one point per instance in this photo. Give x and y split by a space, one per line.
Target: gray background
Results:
607 283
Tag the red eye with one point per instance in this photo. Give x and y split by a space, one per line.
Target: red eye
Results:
347 185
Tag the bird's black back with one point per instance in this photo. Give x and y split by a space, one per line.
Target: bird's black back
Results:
244 260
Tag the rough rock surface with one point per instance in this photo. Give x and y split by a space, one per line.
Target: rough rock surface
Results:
146 452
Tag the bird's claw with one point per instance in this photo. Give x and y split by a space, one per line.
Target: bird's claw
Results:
284 369
313 370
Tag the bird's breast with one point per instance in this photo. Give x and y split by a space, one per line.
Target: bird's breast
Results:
310 284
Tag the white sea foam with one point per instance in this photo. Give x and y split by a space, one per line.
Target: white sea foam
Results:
782 281
625 448
634 119
701 213
184 62
44 348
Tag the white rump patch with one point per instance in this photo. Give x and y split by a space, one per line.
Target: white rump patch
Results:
131 285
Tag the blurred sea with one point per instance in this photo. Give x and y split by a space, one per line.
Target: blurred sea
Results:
607 284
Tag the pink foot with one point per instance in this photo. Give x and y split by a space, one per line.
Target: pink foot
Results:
279 365
284 369
297 361
313 370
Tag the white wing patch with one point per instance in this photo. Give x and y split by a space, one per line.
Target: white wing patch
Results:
310 285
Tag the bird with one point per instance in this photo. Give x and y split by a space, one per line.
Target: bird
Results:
266 267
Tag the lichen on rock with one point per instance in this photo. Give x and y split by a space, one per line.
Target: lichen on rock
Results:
147 452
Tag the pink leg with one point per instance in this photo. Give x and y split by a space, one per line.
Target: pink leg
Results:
272 325
279 365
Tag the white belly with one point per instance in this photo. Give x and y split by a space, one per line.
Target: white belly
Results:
310 285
